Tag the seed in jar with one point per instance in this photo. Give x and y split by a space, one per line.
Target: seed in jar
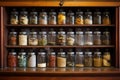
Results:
88 21
79 65
70 41
14 21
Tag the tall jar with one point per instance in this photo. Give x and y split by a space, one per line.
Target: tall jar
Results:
14 17
70 40
61 17
79 38
61 59
106 38
70 59
79 59
33 39
70 17
33 18
106 18
31 60
52 59
51 37
88 61
52 18
43 18
12 58
22 59
61 38
22 38
41 59
88 17
23 17
13 38
97 17
42 38
88 37
79 18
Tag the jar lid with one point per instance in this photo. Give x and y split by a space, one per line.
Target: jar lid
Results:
52 53
42 32
41 53
14 12
61 52
80 32
70 13
77 13
88 52
88 32
24 12
61 32
86 13
23 32
33 32
23 53
33 13
12 53
52 13
32 53
97 32
70 33
97 13
79 52
97 52
52 32
13 32
45 13
70 52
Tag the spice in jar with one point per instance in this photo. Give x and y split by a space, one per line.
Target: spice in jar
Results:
106 18
33 17
12 58
52 18
61 59
23 17
14 17
52 59
61 17
42 41
88 17
70 17
106 38
97 59
43 17
106 58
79 17
97 17
22 59
13 38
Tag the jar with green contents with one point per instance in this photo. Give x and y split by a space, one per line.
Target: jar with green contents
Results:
14 17
33 17
42 41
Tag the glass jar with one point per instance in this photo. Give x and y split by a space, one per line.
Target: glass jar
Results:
52 59
70 40
14 17
88 61
97 59
97 38
42 41
22 59
106 38
51 37
79 38
88 38
106 58
31 59
23 17
88 18
61 18
79 59
70 59
12 58
97 17
70 18
43 18
106 18
61 59
52 18
33 18
13 38
41 59
33 39
22 38
61 38
79 18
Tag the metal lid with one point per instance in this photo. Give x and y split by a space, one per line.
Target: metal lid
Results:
97 32
33 32
52 32
80 32
88 52
61 52
97 52
23 33
70 33
88 32
33 13
79 52
97 13
32 53
13 53
61 32
62 12
23 53
79 13
52 53
52 13
41 53
13 32
70 52
41 13
42 32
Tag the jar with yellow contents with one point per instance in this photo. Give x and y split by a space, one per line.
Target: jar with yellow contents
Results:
79 18
61 17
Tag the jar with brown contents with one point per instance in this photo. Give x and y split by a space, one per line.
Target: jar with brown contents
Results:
79 18
13 38
43 18
97 17
106 18
106 38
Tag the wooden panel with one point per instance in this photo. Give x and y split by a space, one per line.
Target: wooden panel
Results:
0 37
119 35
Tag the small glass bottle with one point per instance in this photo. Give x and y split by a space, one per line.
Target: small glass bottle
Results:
12 58
88 37
70 58
43 18
22 59
79 17
41 59
97 17
23 17
97 59
61 59
70 17
22 38
52 18
31 59
106 38
33 39
88 17
14 17
106 58
42 40
33 17
79 59
79 38
13 38
51 37
88 61
106 18
61 17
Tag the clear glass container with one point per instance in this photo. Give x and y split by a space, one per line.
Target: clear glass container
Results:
70 17
51 37
33 39
23 17
14 17
88 17
106 38
97 17
33 17
43 18
52 59
12 38
61 17
42 41
106 18
79 18
52 18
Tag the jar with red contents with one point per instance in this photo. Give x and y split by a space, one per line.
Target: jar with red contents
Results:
12 59
52 59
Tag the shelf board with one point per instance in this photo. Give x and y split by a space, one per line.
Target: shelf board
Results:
93 46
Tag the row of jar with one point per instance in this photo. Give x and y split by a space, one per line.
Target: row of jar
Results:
60 38
59 59
53 18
